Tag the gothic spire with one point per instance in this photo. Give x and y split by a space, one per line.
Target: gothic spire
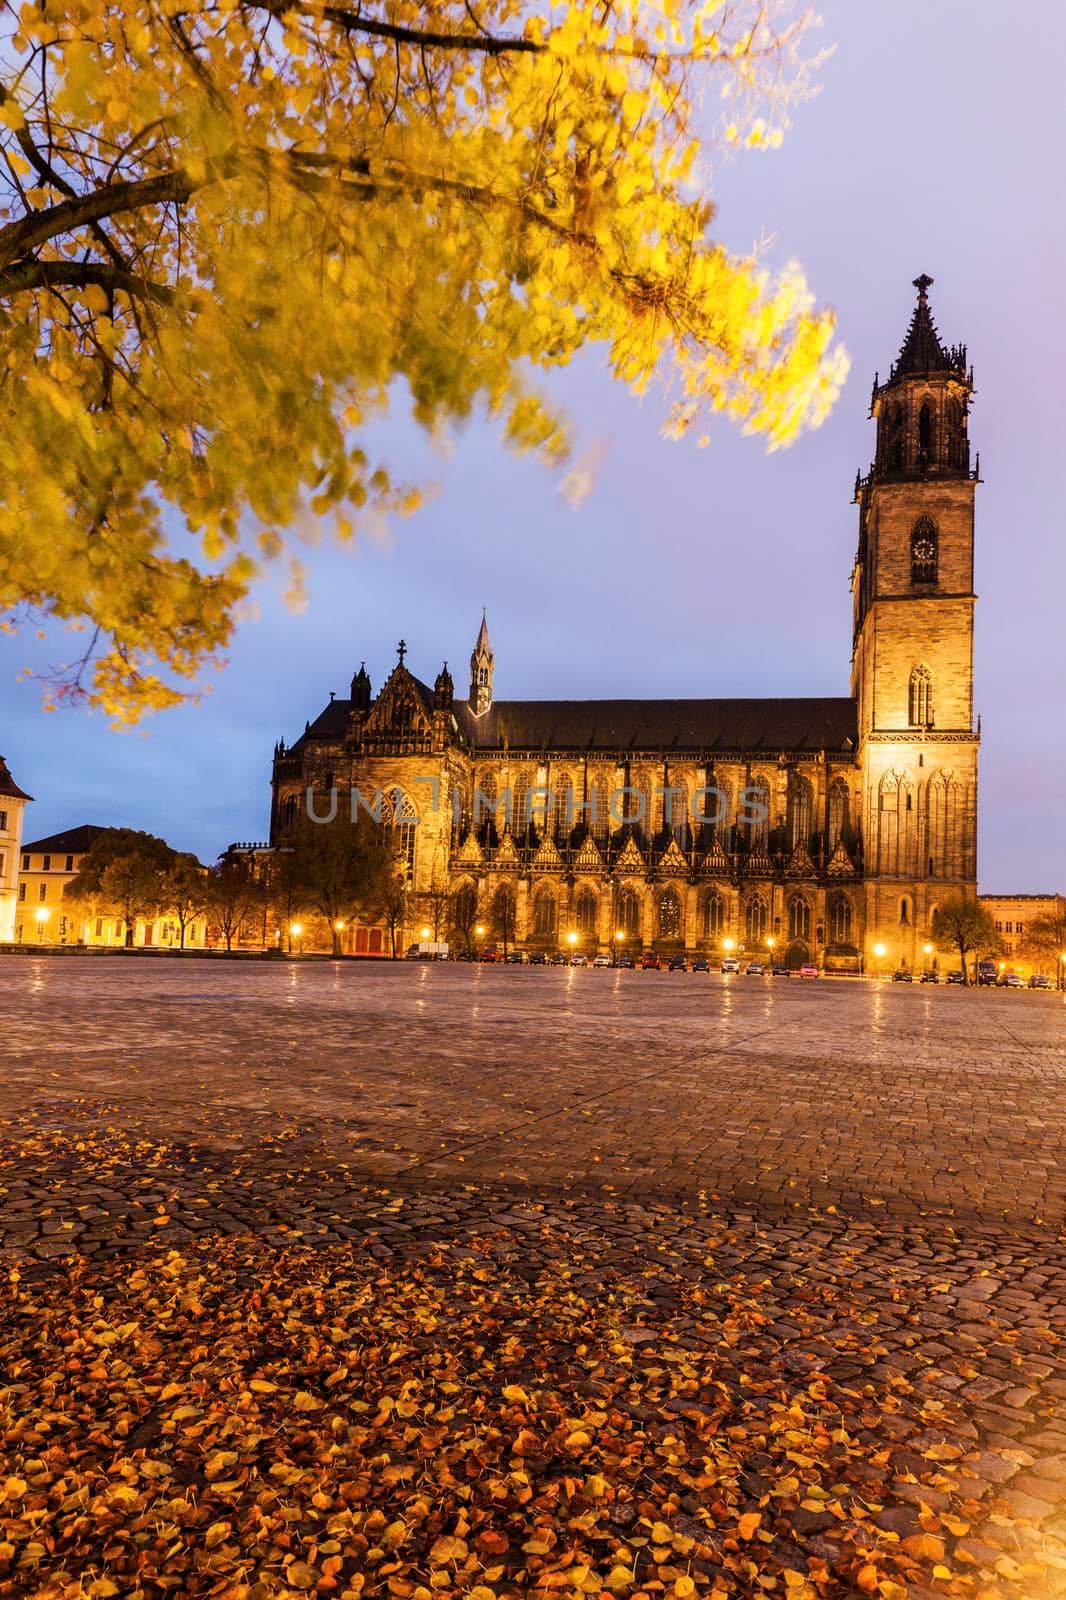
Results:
481 665
922 350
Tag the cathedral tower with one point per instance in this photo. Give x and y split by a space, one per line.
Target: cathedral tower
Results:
481 664
912 654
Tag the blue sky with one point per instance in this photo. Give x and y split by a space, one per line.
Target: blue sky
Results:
933 146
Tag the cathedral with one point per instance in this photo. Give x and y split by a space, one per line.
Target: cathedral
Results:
812 830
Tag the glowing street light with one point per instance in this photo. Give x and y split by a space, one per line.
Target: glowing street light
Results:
571 937
479 930
425 933
296 929
41 916
928 949
770 941
339 924
879 955
729 944
620 935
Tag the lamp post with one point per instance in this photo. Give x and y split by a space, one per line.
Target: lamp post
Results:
729 945
928 950
41 916
1062 964
479 933
770 942
571 940
879 954
618 938
295 930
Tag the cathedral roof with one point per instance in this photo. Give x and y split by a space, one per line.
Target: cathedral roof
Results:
922 350
689 725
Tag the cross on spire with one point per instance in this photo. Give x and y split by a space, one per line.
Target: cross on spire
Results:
923 283
401 650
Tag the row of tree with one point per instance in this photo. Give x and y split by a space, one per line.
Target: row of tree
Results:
336 871
964 925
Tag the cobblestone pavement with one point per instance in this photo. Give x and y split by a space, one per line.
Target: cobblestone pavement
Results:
903 1143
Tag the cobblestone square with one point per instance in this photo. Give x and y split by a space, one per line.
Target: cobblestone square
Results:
881 1164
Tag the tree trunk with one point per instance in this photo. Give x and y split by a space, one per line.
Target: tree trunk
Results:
336 942
181 941
129 934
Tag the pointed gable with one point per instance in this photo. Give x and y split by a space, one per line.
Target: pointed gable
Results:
840 864
673 859
714 861
800 863
507 855
547 858
588 858
631 859
470 852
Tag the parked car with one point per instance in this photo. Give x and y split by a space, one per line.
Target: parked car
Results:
649 961
930 977
537 958
730 964
956 975
578 959
517 958
489 956
701 964
1011 980
559 959
626 961
987 972
808 970
678 964
903 975
779 970
602 961
755 969
1040 980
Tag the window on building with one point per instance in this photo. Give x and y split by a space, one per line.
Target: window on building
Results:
42 891
22 891
68 865
544 913
62 927
99 927
669 915
629 913
3 862
925 551
839 909
926 433
712 916
905 910
755 920
838 812
3 821
800 812
25 863
999 927
1019 927
799 918
1009 928
585 912
466 908
921 698
46 864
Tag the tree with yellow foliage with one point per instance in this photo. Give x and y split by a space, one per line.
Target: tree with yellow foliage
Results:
233 231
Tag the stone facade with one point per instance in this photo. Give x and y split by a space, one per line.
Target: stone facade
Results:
823 830
13 801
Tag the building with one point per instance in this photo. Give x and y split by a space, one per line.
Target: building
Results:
44 917
820 829
13 801
1014 916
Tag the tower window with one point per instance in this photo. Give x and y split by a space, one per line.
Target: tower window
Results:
925 551
925 434
921 698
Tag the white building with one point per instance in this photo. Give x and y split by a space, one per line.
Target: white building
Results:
12 802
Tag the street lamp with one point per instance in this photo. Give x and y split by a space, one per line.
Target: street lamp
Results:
41 916
425 933
618 938
879 952
295 930
571 937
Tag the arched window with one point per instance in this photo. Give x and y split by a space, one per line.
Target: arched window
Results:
465 913
839 909
926 434
753 816
288 811
585 913
921 698
905 911
925 551
712 916
799 918
894 437
755 920
629 913
669 915
955 435
405 820
564 808
838 811
800 812
544 913
502 914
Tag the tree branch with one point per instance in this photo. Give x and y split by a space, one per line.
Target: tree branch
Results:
28 275
352 22
19 238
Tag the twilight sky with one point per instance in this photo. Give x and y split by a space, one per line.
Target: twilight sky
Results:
934 147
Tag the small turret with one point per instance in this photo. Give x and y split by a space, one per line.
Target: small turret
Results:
481 665
361 689
443 690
